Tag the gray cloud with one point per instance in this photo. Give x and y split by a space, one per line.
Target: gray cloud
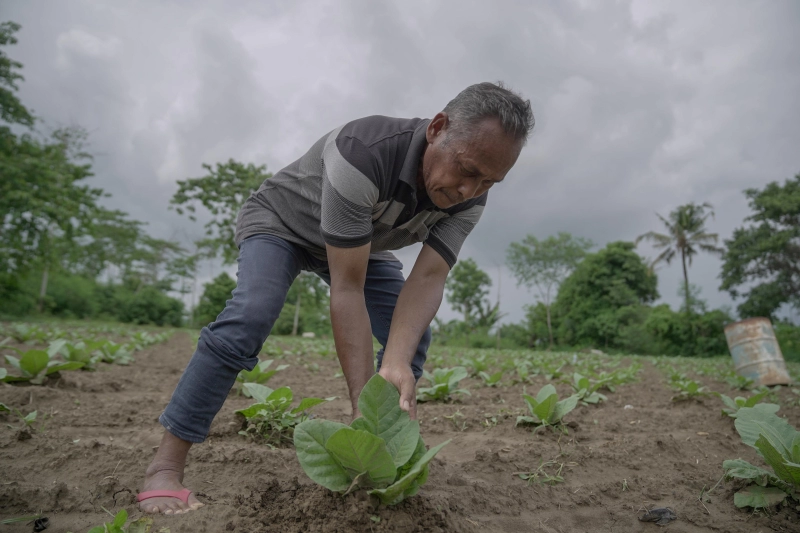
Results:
640 105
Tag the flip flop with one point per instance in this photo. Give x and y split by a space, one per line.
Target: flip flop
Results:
182 495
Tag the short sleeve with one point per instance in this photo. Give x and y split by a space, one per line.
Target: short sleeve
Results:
349 192
448 234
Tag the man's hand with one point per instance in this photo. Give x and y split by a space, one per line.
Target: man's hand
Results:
401 377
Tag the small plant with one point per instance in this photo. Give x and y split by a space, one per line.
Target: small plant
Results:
381 451
79 352
271 418
587 390
523 370
688 389
118 354
457 419
738 382
117 525
779 444
35 365
27 420
477 364
492 380
445 384
546 409
260 374
732 406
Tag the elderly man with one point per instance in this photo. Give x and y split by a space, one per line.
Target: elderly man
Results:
373 185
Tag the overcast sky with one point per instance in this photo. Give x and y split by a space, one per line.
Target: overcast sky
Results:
640 105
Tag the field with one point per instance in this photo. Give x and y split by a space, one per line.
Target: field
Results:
95 432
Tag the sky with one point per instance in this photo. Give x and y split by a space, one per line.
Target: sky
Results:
640 106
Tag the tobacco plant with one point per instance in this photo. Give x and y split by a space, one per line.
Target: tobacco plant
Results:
259 374
778 444
546 409
732 406
271 417
444 383
491 380
381 451
35 365
586 390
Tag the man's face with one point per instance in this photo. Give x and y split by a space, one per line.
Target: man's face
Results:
466 165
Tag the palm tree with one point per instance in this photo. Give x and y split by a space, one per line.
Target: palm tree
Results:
686 235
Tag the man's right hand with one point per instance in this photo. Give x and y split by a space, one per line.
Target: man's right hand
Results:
401 376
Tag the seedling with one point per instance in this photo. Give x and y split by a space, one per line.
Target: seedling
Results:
117 525
546 409
732 406
27 420
477 364
259 374
779 444
381 451
587 390
271 417
492 380
688 389
445 382
114 353
35 365
457 419
738 382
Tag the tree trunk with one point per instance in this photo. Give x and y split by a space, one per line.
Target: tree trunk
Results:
549 327
43 288
296 315
685 282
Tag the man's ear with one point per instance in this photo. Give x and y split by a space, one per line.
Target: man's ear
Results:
437 125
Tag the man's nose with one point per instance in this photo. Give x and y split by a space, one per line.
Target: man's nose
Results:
467 189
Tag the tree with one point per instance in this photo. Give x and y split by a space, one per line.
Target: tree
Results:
767 252
467 287
11 109
686 235
543 265
604 294
222 192
212 302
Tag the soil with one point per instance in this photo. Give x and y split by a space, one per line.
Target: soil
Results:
96 433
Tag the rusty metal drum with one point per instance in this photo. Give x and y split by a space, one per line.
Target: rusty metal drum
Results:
756 353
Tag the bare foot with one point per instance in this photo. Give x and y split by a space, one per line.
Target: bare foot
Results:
166 473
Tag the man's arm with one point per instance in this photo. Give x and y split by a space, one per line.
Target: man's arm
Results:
417 304
352 333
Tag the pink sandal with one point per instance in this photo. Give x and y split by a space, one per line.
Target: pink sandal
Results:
182 495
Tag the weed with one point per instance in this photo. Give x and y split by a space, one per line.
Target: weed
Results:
444 383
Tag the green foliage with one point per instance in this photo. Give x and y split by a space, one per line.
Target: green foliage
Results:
307 308
444 384
222 191
766 252
215 293
788 336
150 306
688 389
271 418
260 374
733 405
491 380
602 295
778 444
687 333
381 451
11 109
545 264
546 409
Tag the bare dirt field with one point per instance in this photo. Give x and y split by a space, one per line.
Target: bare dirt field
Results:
96 431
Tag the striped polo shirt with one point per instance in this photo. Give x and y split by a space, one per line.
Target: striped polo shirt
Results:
358 185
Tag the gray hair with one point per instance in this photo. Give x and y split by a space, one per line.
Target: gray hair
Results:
489 100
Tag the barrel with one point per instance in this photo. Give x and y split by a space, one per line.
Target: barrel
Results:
756 353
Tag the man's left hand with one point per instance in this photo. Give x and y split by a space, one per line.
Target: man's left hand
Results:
403 378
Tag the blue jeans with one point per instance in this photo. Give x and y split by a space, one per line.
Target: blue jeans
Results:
267 267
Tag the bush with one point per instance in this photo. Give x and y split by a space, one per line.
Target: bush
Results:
71 296
149 306
789 340
212 302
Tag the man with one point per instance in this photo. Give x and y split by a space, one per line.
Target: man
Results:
375 184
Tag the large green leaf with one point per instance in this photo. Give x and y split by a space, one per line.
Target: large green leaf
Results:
751 422
739 468
257 391
771 408
13 361
758 497
563 407
308 403
397 491
455 375
310 438
34 361
783 467
379 404
361 453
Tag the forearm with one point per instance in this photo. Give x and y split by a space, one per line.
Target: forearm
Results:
353 337
417 304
